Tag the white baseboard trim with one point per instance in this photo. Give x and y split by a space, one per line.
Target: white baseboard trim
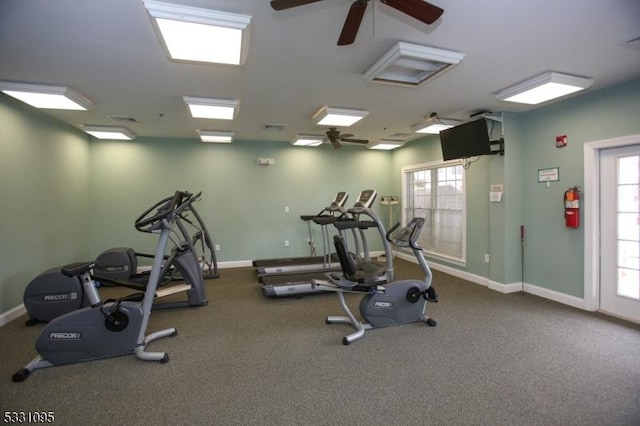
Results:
546 293
556 296
12 314
505 288
235 264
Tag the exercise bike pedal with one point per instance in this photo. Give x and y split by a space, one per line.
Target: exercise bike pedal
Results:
430 295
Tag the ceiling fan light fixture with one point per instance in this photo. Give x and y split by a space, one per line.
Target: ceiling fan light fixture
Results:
544 87
46 97
220 109
307 140
434 125
385 144
109 132
411 64
343 117
200 35
215 136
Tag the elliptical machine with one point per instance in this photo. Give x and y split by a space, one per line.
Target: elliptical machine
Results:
384 303
52 293
108 329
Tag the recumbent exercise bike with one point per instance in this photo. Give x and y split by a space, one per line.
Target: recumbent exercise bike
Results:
383 303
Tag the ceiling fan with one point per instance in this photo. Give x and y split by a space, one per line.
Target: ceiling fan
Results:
418 9
334 136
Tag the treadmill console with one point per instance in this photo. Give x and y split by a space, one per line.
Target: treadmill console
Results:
340 200
366 199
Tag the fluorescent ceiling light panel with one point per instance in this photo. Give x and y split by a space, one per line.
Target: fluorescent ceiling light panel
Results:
46 97
434 125
221 109
214 136
385 144
331 116
550 85
307 140
410 64
109 132
200 35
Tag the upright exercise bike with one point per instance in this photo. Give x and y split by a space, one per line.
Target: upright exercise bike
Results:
108 329
383 303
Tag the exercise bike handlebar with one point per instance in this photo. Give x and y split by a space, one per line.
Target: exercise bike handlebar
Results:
175 205
408 235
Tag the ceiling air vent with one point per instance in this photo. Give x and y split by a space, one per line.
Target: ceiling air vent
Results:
411 64
401 135
274 127
122 119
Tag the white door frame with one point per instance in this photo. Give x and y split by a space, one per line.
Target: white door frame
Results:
592 215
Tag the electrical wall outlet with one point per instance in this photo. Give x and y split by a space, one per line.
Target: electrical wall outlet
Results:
217 247
487 258
286 243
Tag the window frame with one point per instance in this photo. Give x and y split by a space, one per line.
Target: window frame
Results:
435 165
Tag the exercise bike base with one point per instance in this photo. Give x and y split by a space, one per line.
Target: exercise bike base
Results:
39 362
141 352
360 326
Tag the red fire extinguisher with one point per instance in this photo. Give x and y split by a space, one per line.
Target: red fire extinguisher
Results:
572 207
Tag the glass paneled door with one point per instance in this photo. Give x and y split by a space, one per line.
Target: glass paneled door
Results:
620 232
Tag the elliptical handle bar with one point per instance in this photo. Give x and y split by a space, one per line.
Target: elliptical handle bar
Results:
165 207
350 224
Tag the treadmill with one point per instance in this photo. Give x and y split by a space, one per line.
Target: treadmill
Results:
296 265
300 284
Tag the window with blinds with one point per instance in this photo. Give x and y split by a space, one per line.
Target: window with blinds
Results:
436 193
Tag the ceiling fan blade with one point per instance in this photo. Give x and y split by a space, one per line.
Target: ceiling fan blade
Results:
287 4
422 11
362 141
352 23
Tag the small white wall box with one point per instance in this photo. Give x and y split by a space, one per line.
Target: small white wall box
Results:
265 161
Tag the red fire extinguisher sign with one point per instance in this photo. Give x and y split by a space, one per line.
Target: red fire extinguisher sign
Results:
572 207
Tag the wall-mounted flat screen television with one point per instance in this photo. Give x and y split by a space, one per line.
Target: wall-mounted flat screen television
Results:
465 140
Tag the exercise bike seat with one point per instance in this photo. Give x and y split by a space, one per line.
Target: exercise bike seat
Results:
345 284
77 268
366 279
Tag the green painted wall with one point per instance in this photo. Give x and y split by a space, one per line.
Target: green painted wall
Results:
44 183
507 246
243 204
555 254
67 198
554 257
483 224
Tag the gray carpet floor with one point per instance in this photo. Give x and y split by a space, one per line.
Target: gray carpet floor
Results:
493 359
